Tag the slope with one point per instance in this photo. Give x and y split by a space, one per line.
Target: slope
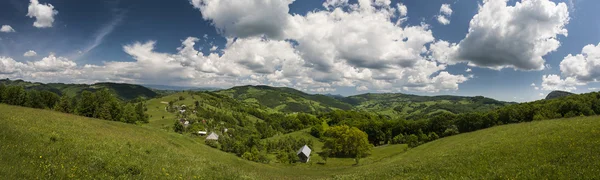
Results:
42 144
284 99
557 94
414 106
122 91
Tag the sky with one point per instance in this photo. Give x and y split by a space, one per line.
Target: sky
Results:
509 50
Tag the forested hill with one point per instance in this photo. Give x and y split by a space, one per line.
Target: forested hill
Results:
285 99
120 90
558 94
414 106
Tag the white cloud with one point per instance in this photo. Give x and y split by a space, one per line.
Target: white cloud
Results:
335 3
534 86
541 94
348 45
9 66
446 10
468 70
52 64
577 69
362 88
402 10
214 48
443 20
30 53
584 67
43 13
246 18
7 29
554 82
518 36
445 14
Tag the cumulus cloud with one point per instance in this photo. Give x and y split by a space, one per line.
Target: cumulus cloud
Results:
554 82
43 14
246 18
502 36
584 67
445 13
468 70
30 53
577 69
10 66
360 46
7 29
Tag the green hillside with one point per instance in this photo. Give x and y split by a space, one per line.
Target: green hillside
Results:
42 144
288 100
285 99
122 91
414 106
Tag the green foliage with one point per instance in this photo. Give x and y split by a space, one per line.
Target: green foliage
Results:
317 130
345 141
64 105
412 140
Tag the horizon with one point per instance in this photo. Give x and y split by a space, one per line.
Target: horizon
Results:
443 47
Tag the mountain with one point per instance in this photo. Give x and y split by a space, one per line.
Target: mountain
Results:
414 106
121 90
284 99
44 144
557 94
180 88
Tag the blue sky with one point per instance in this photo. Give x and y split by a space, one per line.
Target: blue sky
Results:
328 46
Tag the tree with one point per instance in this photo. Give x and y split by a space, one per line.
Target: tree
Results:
49 98
34 100
345 141
15 95
140 111
129 115
86 106
64 105
2 90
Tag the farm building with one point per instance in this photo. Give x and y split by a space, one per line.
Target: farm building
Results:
212 136
304 154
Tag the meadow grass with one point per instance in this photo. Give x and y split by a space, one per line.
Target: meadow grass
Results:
43 144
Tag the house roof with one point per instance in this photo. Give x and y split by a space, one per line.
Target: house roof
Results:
305 149
212 136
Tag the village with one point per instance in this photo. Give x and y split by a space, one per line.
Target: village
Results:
188 120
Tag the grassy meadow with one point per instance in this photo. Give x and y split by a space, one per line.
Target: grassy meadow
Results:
43 144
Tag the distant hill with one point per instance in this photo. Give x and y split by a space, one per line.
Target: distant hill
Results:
414 106
121 90
391 104
180 88
285 99
557 94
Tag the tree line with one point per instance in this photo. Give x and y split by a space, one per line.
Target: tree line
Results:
100 104
386 130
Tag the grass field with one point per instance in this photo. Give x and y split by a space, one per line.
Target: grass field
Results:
42 144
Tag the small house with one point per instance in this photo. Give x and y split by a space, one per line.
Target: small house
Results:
202 133
304 154
213 136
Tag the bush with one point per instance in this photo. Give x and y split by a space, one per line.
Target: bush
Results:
212 143
412 140
399 139
317 131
